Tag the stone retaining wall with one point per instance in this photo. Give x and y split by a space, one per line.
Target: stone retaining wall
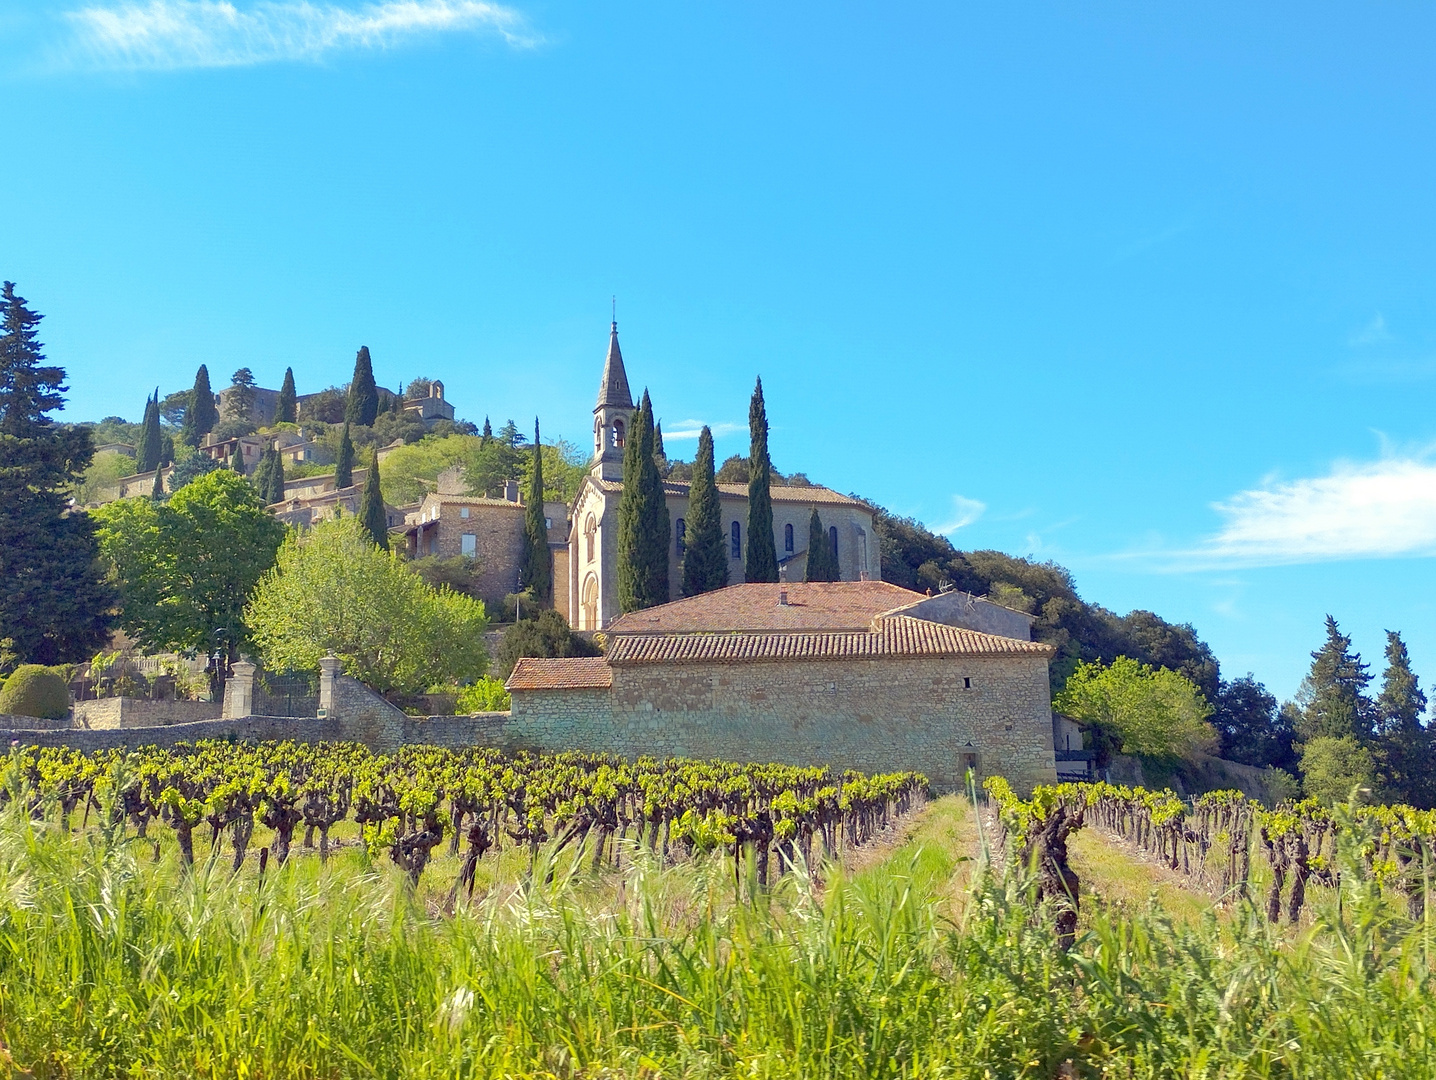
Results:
123 712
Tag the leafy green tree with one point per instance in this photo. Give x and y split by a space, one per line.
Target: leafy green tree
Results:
371 505
643 527
344 462
705 561
734 470
1252 730
362 405
762 560
200 415
241 395
1333 769
1406 751
333 591
186 567
822 561
545 635
147 454
191 469
55 606
174 407
1150 712
1333 695
286 408
489 468
538 560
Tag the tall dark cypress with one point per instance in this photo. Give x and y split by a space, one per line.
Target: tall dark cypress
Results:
344 464
286 408
371 504
200 415
1333 695
705 562
157 490
269 477
55 606
147 454
643 528
538 563
363 403
236 459
658 450
762 561
1407 752
822 563
488 434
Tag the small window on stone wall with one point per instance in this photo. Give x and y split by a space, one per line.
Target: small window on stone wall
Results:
966 683
463 511
679 528
788 539
468 545
737 532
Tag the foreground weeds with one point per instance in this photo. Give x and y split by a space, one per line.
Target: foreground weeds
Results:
114 965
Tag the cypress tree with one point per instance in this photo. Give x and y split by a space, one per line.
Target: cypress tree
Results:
643 529
538 564
1333 696
363 404
286 409
1407 753
762 561
705 562
55 606
658 450
157 492
371 504
236 459
200 415
822 565
269 477
344 466
488 434
147 454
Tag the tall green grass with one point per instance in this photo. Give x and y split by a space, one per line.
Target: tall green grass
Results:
112 964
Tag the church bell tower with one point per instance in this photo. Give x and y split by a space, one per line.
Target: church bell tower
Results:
611 415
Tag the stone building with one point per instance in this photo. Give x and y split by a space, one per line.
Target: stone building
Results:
308 500
592 594
862 675
430 407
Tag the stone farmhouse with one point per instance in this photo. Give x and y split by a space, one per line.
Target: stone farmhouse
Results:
430 407
591 602
853 674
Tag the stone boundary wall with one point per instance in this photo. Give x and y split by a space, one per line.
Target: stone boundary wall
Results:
123 712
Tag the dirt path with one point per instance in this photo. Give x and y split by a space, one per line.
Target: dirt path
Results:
1117 877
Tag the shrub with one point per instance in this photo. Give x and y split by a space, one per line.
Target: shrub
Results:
548 635
486 695
35 690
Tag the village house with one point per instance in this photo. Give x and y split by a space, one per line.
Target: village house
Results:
853 674
590 600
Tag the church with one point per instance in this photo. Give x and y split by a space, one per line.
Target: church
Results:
589 566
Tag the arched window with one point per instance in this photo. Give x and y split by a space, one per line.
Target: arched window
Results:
737 532
590 603
833 539
618 434
788 539
590 528
678 531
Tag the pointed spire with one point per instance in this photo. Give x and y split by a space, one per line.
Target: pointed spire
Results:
613 392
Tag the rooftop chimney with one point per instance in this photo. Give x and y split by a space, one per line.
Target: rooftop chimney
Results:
783 597
511 490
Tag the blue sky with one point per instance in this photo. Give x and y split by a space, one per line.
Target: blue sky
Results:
1142 288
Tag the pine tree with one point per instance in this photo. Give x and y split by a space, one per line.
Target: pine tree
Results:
241 394
236 459
55 606
1407 752
643 527
705 562
200 415
538 564
488 434
1333 696
822 563
762 562
147 454
371 504
363 404
344 464
286 408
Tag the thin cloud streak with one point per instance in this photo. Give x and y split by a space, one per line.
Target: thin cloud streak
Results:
1380 510
170 35
964 512
690 429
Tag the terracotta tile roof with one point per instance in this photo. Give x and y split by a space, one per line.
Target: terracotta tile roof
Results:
808 496
567 673
901 636
826 605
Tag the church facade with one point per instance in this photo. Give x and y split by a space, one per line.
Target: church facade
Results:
591 599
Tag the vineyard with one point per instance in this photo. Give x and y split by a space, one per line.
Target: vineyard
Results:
291 910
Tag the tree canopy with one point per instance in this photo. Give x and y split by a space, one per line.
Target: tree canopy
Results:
538 561
371 505
362 404
822 559
200 415
333 591
1151 712
286 408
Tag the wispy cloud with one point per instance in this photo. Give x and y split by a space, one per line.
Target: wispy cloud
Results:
1378 510
1373 333
1145 243
165 35
964 512
690 429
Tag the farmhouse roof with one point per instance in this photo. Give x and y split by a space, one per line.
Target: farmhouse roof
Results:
812 605
568 673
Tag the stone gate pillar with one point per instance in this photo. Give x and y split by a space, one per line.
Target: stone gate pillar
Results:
239 691
329 669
